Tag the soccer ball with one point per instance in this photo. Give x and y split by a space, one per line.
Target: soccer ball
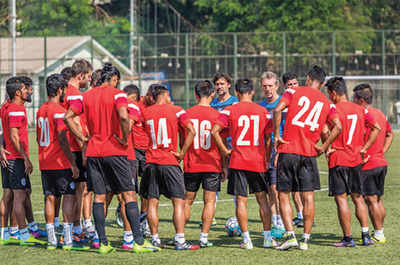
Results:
232 227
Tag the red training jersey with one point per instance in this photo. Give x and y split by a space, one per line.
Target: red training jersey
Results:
100 105
162 123
134 115
247 122
74 96
49 122
375 152
14 116
203 155
355 119
141 140
308 110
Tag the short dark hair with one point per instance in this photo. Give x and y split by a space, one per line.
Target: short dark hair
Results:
95 78
317 74
218 76
156 90
13 84
108 72
288 76
81 66
364 91
244 86
68 73
204 88
53 83
131 89
337 84
27 81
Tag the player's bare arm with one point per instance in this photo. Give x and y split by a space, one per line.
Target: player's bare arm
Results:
124 122
3 152
188 141
20 149
277 123
336 130
77 121
388 141
69 121
218 140
63 140
268 148
375 129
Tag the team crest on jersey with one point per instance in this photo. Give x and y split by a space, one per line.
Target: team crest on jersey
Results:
72 185
23 182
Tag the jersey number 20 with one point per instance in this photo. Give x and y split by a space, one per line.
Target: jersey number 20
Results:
43 124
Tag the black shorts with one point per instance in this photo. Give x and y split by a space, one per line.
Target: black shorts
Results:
79 163
297 173
58 182
109 174
140 161
167 180
345 180
271 175
239 180
210 181
374 180
133 172
14 177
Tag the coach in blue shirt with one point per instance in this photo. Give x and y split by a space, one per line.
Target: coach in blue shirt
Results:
224 99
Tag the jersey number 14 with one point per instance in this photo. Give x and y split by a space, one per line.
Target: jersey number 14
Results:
162 133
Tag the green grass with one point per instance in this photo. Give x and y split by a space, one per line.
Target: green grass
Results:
226 249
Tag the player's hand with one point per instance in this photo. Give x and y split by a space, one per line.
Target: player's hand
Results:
224 174
75 172
28 166
278 141
84 160
227 152
320 149
123 142
3 157
365 159
329 152
178 155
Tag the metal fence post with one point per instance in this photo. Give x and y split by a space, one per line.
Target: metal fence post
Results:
235 58
284 52
383 53
333 53
139 61
187 70
91 50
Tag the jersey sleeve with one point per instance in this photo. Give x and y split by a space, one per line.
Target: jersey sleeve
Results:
223 118
182 116
16 118
388 127
332 113
134 112
369 120
58 118
75 103
120 100
269 126
287 96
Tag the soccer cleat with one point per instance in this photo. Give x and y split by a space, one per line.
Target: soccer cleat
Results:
14 238
270 243
127 245
32 241
366 240
51 246
146 247
145 228
300 223
105 249
79 238
4 242
303 244
171 242
277 232
345 243
246 245
38 233
377 240
206 244
290 242
297 220
157 243
185 246
96 243
75 246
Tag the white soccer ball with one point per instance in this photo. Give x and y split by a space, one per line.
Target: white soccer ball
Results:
232 227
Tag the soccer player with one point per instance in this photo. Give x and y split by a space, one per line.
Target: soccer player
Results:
56 162
163 174
203 163
250 126
108 123
345 160
308 111
15 176
81 72
289 80
270 86
374 169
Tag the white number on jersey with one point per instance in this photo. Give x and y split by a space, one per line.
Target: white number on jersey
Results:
244 121
162 133
43 125
312 117
353 118
203 134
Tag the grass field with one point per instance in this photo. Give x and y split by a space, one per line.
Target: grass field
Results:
226 250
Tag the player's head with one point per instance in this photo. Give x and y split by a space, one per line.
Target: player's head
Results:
244 87
67 73
316 77
148 99
132 91
110 75
82 70
27 82
204 89
55 85
14 87
270 85
160 93
222 83
95 78
363 94
289 80
336 87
